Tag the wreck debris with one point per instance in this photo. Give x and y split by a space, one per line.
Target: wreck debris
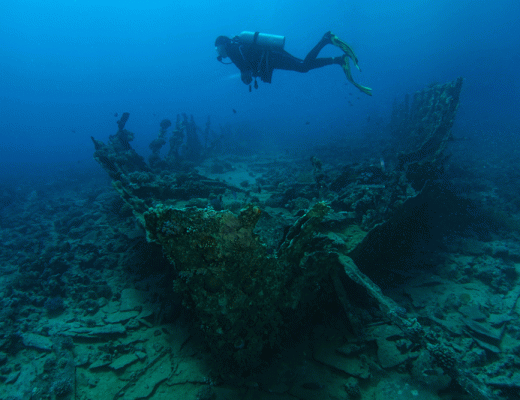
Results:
240 294
193 145
118 158
247 298
122 122
141 186
422 129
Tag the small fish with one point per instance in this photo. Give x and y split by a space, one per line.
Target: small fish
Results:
368 118
307 123
115 114
350 103
234 111
350 93
73 131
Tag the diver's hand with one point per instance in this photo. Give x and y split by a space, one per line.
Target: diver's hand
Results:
247 77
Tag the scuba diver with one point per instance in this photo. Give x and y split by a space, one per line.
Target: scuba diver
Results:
258 54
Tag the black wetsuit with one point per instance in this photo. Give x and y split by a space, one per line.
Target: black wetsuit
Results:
256 61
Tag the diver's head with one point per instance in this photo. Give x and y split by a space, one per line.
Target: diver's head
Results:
221 46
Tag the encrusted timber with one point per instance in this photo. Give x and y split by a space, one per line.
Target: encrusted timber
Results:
241 295
299 234
126 167
117 157
430 120
468 381
386 305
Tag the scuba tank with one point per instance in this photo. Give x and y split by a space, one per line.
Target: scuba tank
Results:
275 42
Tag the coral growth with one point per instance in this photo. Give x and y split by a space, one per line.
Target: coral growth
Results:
239 293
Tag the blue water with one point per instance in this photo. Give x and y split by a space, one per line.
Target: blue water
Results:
67 66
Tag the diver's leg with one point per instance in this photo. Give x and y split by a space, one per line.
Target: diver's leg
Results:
284 60
330 38
325 40
319 62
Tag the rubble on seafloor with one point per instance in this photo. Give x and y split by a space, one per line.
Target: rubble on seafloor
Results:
217 277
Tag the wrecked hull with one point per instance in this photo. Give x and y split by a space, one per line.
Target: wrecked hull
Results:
248 298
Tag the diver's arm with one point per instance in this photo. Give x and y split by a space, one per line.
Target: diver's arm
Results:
246 73
245 59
